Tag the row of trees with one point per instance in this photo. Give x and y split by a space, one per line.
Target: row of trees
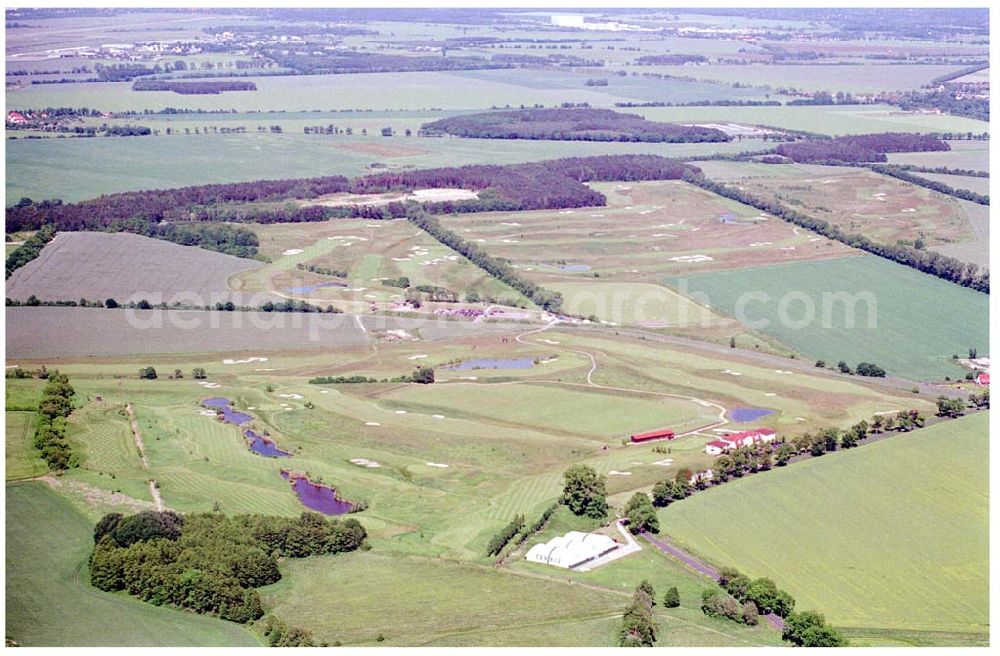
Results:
762 593
934 185
499 269
570 124
423 376
30 249
287 305
506 534
942 266
54 408
209 563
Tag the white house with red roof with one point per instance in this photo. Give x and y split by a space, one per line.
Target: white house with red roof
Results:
737 440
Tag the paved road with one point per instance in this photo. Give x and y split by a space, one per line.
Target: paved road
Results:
664 545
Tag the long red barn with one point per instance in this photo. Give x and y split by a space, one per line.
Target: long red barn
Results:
663 433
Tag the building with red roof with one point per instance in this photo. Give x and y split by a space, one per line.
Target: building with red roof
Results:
661 434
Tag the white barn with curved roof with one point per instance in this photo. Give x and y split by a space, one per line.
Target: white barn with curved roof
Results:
571 550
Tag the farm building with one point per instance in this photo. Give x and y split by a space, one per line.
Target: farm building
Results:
737 440
661 434
571 550
704 476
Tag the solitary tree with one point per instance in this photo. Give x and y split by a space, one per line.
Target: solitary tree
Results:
585 492
672 598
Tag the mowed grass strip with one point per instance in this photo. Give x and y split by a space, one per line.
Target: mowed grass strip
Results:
920 320
49 599
21 457
892 535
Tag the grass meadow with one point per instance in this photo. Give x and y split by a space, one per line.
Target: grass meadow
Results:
974 155
889 536
50 602
934 318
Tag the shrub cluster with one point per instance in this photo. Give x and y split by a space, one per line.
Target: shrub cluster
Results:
207 562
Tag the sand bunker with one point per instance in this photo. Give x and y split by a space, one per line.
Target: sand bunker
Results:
731 372
372 423
207 413
615 472
438 416
691 258
401 412
364 462
208 385
666 462
440 465
291 396
293 251
246 361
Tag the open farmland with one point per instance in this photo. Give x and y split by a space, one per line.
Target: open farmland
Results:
879 207
49 599
965 154
976 251
833 120
78 169
609 261
899 518
889 303
857 79
974 184
126 267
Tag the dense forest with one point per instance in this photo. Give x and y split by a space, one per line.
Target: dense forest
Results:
207 562
859 148
552 184
309 63
569 124
207 87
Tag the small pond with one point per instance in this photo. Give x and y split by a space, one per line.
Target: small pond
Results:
309 289
229 415
263 446
314 496
257 443
493 363
742 415
569 267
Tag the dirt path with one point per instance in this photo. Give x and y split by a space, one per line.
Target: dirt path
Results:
137 435
154 490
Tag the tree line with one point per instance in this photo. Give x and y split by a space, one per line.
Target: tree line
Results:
30 249
422 376
207 562
54 408
933 263
570 124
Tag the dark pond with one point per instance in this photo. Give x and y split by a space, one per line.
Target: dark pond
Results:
258 444
263 446
493 363
308 289
314 496
228 414
741 415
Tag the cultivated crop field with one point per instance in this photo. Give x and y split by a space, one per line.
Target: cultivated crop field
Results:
934 318
78 169
890 521
858 201
964 154
97 266
858 79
